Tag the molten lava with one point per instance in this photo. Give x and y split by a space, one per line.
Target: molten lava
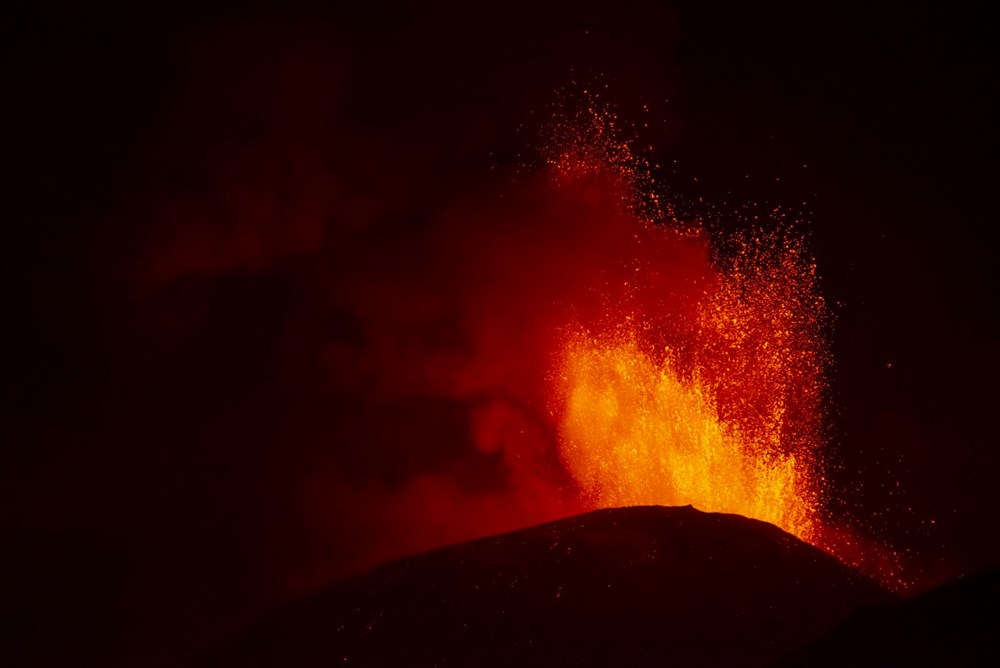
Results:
701 388
635 432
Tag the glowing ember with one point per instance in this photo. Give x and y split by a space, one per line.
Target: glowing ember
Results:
701 389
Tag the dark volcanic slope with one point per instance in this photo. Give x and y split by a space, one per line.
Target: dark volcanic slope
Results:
957 624
629 586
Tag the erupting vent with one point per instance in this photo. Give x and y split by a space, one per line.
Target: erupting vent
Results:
700 380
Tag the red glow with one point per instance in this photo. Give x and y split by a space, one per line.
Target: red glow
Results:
701 379
600 350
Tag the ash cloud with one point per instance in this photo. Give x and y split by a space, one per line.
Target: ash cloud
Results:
328 293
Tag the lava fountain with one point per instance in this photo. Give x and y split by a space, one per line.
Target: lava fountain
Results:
702 388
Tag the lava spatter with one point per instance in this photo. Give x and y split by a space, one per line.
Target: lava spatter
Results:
704 387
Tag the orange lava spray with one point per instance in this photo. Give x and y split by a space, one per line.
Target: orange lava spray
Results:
703 389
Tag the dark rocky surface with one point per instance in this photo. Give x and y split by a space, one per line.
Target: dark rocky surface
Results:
956 624
630 586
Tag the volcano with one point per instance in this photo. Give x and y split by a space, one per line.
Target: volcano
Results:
635 586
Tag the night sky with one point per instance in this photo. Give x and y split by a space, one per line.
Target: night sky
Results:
203 204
